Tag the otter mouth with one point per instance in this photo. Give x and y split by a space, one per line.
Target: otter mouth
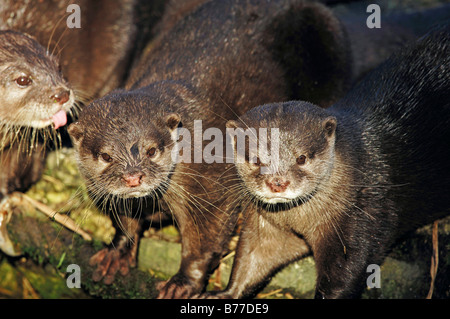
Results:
134 194
280 203
59 119
278 200
142 192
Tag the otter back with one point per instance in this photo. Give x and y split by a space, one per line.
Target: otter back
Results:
243 53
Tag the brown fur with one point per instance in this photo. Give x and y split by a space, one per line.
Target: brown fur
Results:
224 58
351 179
94 57
26 110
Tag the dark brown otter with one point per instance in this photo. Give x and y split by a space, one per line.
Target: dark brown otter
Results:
34 95
349 180
217 62
130 171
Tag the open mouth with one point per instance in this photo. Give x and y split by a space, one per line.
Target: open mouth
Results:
276 200
134 194
59 119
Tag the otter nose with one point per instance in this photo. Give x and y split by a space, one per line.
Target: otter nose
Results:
277 185
133 179
61 97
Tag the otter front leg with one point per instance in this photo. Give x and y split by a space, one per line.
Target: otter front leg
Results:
262 250
204 239
341 263
202 245
120 256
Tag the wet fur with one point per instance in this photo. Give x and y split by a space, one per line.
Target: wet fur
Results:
187 71
389 175
185 191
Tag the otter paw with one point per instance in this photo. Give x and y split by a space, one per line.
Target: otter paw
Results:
109 262
176 289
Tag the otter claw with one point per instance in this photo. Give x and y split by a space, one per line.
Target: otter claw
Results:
175 289
109 262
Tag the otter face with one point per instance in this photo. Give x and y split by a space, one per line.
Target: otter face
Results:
123 150
33 92
305 153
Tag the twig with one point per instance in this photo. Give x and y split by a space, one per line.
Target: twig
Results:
62 219
268 294
28 290
434 259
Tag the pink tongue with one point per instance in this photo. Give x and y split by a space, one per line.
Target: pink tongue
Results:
59 119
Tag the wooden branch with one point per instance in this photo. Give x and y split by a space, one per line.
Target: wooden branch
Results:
62 219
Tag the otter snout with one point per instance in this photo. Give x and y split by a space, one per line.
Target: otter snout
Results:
277 184
61 97
133 179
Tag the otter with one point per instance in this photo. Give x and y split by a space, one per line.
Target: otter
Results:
131 172
350 179
34 100
93 58
39 56
213 64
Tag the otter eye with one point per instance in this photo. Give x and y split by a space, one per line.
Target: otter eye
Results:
301 160
151 152
106 157
23 81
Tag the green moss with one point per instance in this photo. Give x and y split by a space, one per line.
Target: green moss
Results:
49 284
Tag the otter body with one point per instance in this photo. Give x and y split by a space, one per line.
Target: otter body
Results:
130 172
230 50
215 63
350 179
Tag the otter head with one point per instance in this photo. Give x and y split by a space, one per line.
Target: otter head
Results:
293 155
124 143
33 92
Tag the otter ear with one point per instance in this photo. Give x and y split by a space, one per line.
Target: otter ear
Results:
329 126
76 132
172 121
